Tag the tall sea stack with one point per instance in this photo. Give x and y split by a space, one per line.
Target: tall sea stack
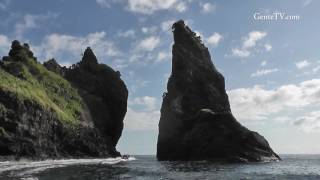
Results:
196 120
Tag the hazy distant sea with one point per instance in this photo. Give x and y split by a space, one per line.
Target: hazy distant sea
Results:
146 167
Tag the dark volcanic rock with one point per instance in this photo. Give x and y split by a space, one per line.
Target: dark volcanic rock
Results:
52 65
19 51
37 107
103 91
196 121
34 132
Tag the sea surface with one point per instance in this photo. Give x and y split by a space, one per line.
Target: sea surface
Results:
147 167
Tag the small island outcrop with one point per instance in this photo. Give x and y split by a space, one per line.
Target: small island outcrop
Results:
196 120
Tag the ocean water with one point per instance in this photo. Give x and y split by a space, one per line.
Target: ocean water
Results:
147 167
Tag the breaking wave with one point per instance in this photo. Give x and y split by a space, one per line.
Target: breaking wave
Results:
24 168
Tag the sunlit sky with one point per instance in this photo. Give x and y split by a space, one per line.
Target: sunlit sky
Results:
271 67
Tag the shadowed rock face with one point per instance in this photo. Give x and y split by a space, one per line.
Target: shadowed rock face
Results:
196 121
103 91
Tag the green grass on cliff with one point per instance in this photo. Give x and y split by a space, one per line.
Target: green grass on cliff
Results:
29 80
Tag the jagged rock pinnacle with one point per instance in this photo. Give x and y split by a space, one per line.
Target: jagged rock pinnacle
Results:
183 34
20 51
196 121
89 59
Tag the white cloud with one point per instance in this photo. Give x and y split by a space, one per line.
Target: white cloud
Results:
138 83
149 30
241 52
66 64
316 69
119 63
31 21
146 119
129 33
214 39
148 44
198 33
4 45
268 47
252 39
181 7
135 57
148 6
282 119
207 7
103 3
249 43
306 3
60 45
149 103
151 6
163 56
141 120
166 25
257 103
263 72
302 64
263 63
4 4
309 122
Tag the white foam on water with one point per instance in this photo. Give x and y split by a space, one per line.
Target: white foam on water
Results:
26 167
30 178
131 158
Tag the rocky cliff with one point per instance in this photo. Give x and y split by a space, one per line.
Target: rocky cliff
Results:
61 112
104 92
196 121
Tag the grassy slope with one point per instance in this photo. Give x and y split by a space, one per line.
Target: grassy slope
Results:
28 79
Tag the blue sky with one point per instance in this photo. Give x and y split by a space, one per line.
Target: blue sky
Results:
271 67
